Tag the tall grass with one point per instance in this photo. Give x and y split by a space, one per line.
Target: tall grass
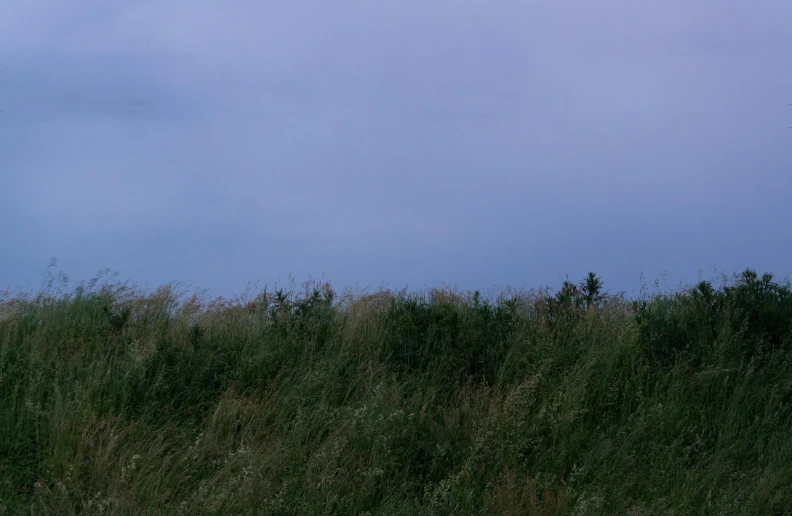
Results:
115 400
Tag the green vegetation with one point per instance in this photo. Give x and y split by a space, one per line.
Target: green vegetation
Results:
119 401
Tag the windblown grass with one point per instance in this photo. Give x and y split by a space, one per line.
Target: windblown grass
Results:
119 401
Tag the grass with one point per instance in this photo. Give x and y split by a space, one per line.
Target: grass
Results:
305 401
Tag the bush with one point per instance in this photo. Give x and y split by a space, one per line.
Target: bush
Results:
568 402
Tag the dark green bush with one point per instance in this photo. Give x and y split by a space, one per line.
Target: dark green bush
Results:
568 402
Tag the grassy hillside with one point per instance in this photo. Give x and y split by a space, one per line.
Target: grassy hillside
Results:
308 401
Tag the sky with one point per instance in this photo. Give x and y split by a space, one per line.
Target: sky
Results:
416 143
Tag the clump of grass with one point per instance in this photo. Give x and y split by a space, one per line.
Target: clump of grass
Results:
306 401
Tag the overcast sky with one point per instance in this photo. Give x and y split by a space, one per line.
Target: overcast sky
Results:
411 143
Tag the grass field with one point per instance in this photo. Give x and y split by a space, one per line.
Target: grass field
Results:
115 400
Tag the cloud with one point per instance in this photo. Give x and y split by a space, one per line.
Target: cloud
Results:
407 141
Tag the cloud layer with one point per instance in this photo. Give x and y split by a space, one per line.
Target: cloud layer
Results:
415 142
